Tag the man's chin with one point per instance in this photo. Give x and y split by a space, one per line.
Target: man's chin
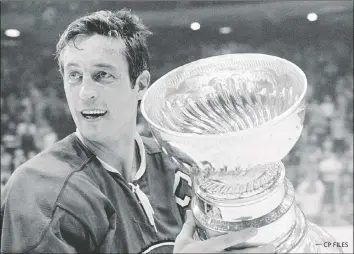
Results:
93 135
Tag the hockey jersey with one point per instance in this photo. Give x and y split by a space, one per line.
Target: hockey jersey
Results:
64 200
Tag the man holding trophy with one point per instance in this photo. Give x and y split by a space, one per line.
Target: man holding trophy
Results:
229 121
226 121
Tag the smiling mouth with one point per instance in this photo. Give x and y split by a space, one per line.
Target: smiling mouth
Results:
93 114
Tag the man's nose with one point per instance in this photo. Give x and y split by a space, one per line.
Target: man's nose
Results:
88 91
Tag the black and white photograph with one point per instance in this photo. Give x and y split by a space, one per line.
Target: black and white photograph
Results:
176 126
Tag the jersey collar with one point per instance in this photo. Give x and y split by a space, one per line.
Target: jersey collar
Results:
141 149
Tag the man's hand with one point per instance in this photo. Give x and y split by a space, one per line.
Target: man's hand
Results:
186 244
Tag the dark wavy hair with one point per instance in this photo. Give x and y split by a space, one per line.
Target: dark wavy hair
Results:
122 24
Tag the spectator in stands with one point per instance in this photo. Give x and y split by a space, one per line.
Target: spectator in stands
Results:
313 139
345 209
2 102
25 110
310 193
36 96
349 157
331 69
6 166
315 115
45 136
6 163
341 104
327 107
328 215
10 140
11 106
331 165
338 133
5 118
26 130
19 158
331 168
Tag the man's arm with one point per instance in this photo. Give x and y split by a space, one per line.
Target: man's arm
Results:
63 233
34 219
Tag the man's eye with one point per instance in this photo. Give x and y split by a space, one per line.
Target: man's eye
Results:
74 75
103 75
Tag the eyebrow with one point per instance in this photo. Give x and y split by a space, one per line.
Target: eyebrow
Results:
71 65
102 65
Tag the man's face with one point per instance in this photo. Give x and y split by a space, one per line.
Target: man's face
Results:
98 88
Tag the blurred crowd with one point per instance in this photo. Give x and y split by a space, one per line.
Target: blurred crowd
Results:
30 124
320 165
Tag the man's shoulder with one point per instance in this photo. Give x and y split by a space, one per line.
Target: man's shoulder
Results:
45 191
68 151
39 181
60 159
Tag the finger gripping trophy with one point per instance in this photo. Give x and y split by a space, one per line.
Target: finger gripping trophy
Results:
229 120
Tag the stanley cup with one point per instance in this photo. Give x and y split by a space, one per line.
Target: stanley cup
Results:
229 121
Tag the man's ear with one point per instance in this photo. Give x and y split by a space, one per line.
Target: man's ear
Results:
142 83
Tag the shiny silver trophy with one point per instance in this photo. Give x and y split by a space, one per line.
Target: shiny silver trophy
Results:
229 121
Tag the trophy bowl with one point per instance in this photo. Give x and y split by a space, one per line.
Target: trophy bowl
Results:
228 115
228 121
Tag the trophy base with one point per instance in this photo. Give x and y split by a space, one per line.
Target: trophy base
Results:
274 213
304 237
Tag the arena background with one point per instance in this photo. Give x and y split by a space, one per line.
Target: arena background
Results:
315 35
